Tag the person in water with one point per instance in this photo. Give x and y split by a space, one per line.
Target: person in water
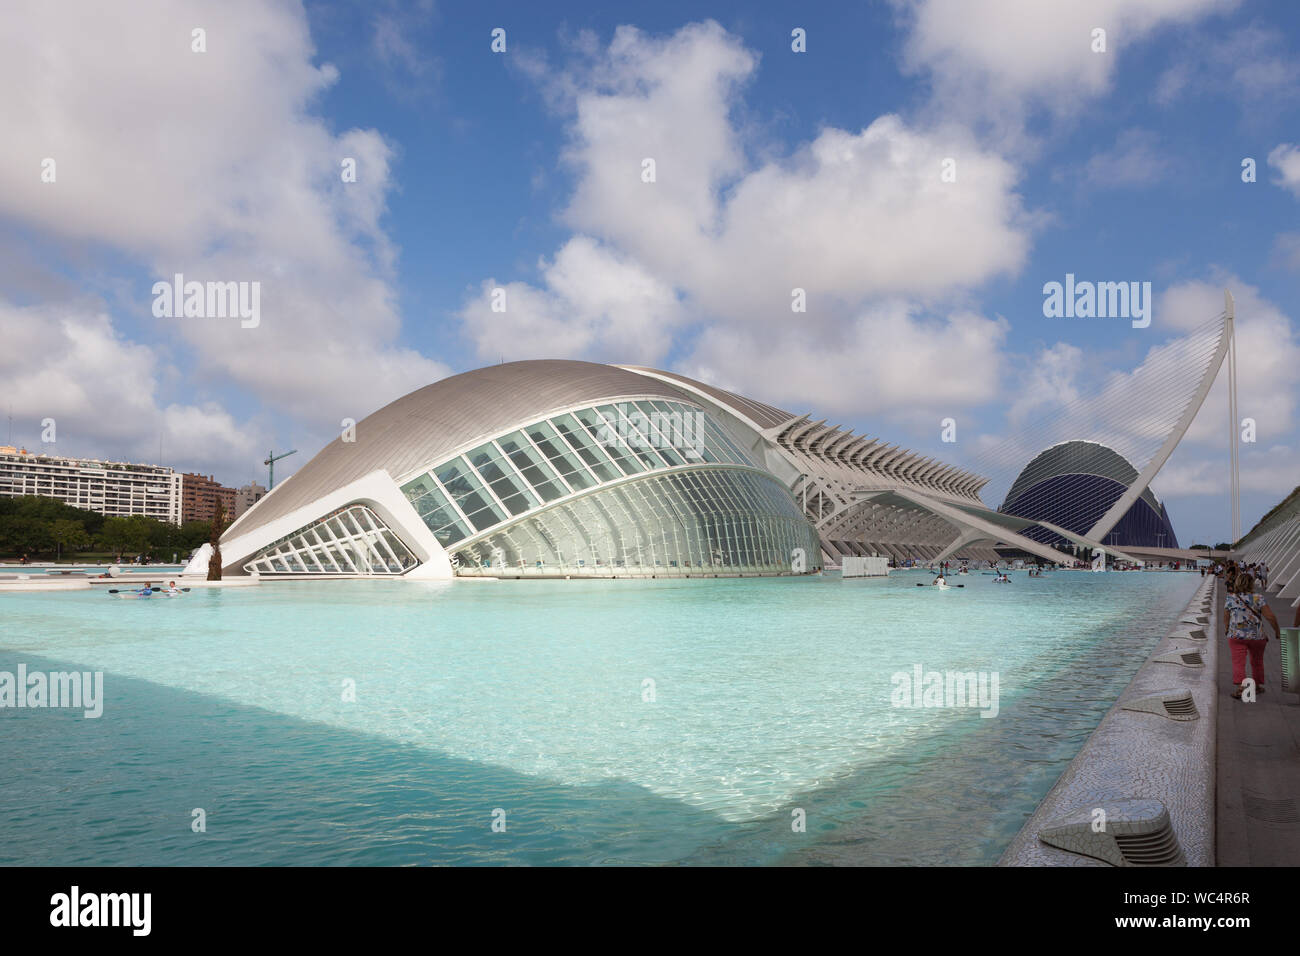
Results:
172 588
939 581
146 590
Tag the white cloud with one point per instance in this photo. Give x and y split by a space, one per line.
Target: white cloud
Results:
594 302
885 359
68 364
213 165
1286 250
1173 82
662 99
1050 380
395 42
994 60
1285 158
1267 356
711 251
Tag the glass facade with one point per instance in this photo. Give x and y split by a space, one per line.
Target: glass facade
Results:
710 520
526 469
352 540
496 505
630 488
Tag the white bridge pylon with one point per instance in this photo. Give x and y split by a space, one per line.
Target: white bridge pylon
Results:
1120 508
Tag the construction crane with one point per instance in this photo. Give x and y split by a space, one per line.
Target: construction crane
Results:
271 459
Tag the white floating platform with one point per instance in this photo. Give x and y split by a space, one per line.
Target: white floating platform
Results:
872 567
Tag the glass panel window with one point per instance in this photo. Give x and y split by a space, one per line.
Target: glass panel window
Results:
441 518
502 479
420 486
468 492
637 441
531 465
674 430
562 459
584 443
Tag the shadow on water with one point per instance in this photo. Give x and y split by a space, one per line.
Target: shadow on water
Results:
281 790
120 789
960 796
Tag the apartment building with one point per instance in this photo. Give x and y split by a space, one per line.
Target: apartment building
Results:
113 488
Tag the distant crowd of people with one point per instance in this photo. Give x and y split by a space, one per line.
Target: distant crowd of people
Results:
1256 571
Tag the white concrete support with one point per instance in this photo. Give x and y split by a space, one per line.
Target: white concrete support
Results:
1125 501
964 537
1284 561
1283 541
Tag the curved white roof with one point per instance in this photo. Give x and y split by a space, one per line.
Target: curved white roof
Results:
431 423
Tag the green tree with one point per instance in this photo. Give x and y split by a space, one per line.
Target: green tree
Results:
70 536
192 534
23 535
126 535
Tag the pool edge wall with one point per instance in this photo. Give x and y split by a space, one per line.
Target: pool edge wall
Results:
1136 754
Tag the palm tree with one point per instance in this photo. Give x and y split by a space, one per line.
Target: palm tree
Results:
214 538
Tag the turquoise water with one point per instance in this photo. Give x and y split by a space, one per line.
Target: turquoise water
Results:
770 696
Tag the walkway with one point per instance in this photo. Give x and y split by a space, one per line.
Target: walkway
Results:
1258 812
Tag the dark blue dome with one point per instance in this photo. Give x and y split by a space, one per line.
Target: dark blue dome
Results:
1073 484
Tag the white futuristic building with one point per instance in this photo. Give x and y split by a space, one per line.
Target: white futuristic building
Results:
542 468
573 469
1074 483
558 468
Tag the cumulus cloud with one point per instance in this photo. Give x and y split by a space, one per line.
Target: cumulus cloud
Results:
1050 380
995 60
711 252
886 359
68 364
212 165
1267 355
1286 160
593 301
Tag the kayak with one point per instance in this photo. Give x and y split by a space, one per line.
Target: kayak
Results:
129 595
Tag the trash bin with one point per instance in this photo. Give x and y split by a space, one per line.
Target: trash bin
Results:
1290 659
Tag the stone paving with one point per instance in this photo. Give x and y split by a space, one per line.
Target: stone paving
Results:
1258 798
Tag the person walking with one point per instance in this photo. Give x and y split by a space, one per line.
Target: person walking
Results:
1244 614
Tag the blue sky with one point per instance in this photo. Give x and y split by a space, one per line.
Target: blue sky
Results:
479 170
